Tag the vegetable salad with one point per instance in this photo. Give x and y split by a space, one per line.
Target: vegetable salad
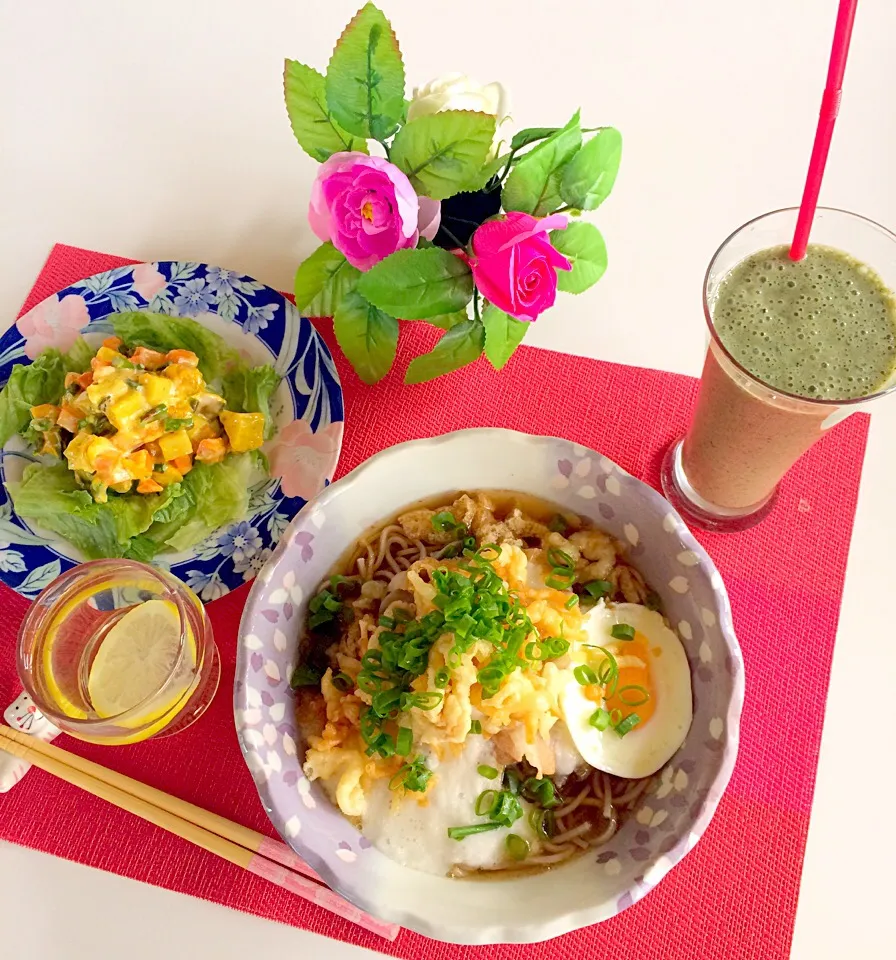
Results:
147 445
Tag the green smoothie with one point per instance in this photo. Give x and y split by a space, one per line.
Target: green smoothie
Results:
823 327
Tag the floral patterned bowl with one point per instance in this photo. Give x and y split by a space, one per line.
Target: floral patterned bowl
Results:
266 328
669 821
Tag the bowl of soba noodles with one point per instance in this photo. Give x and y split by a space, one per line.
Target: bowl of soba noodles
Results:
488 687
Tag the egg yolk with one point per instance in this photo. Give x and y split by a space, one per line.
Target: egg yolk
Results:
636 678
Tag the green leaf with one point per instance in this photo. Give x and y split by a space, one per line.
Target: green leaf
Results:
416 284
534 184
503 334
490 170
31 384
443 152
323 280
460 345
532 134
583 244
367 336
589 177
306 103
365 77
448 320
529 135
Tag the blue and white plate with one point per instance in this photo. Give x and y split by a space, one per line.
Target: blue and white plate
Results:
265 328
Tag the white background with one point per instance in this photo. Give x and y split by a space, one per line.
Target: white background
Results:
157 131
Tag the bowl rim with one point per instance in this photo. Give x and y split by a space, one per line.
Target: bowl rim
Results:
586 916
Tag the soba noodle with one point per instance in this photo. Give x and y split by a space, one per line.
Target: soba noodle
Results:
374 582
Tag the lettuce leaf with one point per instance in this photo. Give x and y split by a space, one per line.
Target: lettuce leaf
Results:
249 390
40 382
211 496
166 333
50 497
245 389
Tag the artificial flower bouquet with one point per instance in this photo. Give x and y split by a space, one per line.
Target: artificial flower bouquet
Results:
451 224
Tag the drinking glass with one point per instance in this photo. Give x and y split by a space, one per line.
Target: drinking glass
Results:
65 629
746 434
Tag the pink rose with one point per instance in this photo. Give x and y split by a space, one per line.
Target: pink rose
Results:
53 323
515 266
303 460
367 207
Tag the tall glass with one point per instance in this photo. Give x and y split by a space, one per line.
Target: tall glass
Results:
745 434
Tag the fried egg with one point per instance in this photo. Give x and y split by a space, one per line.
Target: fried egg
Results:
654 683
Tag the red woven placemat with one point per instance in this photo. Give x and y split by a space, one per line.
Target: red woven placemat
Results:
735 894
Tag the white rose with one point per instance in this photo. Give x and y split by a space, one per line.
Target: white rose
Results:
456 91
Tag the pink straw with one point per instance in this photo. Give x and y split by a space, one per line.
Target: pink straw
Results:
830 105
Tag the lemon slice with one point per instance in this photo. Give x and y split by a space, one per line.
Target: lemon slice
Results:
139 654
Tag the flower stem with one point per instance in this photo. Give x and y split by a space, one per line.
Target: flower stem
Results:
506 170
476 315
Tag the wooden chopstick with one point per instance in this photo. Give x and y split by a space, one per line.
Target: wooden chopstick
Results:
238 844
250 839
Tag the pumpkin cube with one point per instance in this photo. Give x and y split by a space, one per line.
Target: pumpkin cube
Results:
244 430
174 445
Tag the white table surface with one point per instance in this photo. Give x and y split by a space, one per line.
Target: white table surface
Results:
157 131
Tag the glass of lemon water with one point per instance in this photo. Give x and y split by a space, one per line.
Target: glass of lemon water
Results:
115 651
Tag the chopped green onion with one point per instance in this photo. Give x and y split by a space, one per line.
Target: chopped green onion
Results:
598 588
571 602
557 524
154 413
428 700
600 719
386 622
400 615
560 579
305 676
508 810
458 833
607 671
387 703
543 822
446 522
557 646
615 717
486 771
517 847
512 780
469 543
176 423
584 675
441 678
560 559
404 741
622 631
475 726
641 695
122 363
412 776
343 682
540 792
629 723
486 802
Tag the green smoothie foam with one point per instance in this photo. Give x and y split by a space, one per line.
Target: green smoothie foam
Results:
822 328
